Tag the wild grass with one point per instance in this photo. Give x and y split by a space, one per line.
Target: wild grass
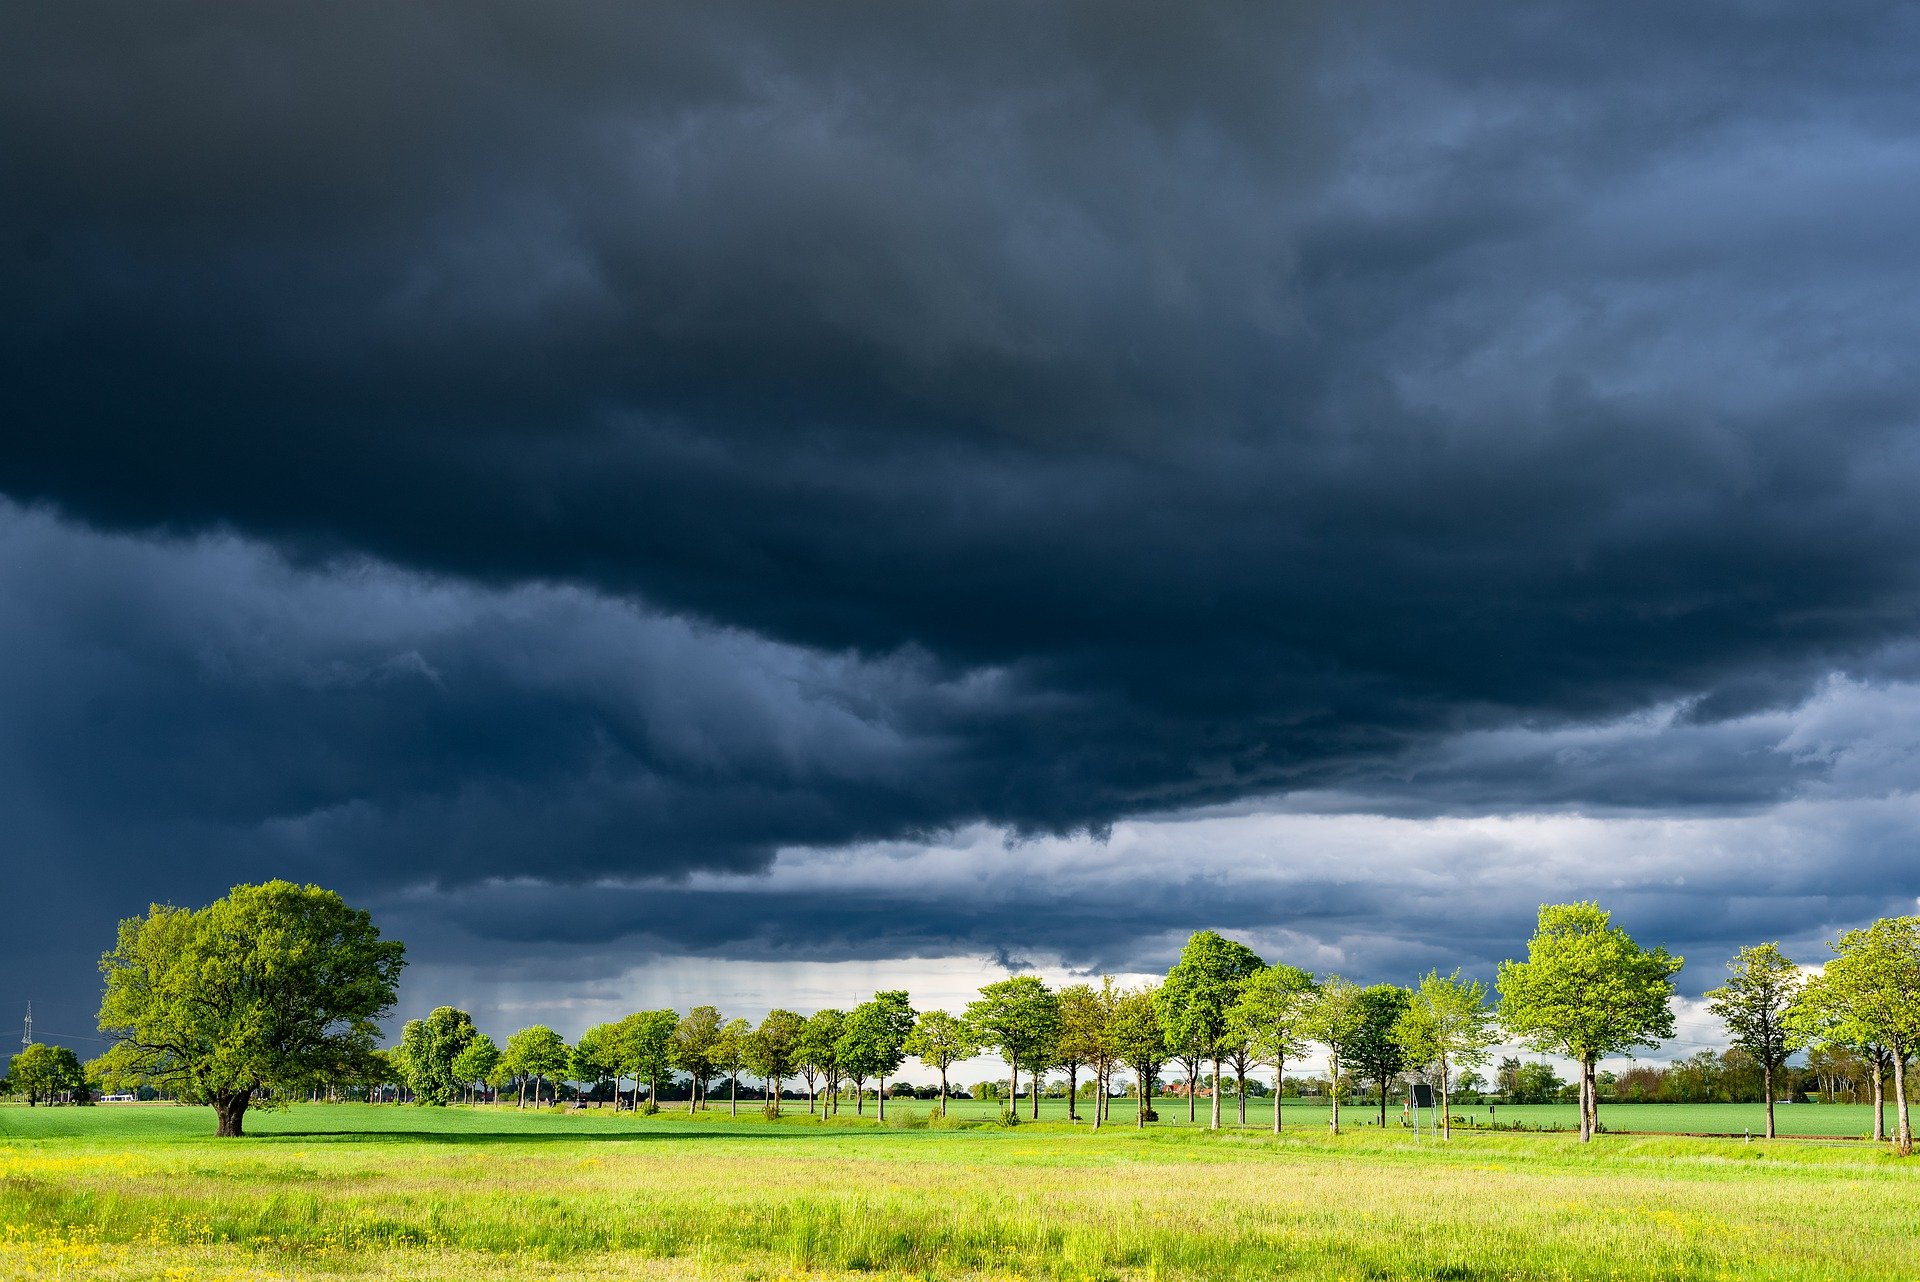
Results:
356 1192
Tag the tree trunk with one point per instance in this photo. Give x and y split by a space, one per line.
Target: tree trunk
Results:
1903 1128
1013 1087
1446 1113
1240 1092
733 1095
1142 1098
1583 1102
229 1109
859 1097
1879 1100
1279 1081
1333 1092
1033 1089
943 1092
1193 1084
880 1100
1073 1099
1766 1084
1213 1122
1383 1103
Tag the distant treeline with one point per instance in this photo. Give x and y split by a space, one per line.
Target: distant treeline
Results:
275 991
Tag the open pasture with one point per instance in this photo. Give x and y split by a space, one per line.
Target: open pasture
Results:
351 1191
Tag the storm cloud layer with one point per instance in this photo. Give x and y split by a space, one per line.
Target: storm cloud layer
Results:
478 451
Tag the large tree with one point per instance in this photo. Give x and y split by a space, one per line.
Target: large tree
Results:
730 1056
1871 991
264 993
475 1063
939 1041
1754 1005
1334 1021
45 1072
691 1050
1082 1025
1587 990
820 1049
1140 1042
1019 1017
874 1042
1199 994
771 1051
596 1057
537 1054
1101 1052
427 1050
1446 1024
645 1043
1374 1054
1272 1018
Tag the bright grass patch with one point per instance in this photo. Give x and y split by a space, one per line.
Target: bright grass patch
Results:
351 1191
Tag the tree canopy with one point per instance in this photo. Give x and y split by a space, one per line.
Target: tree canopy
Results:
873 1043
428 1048
1754 1004
1019 1017
270 990
1446 1024
1587 990
1870 991
939 1041
44 1072
1199 995
1273 1016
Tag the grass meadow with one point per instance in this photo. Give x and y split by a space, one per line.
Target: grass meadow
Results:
356 1191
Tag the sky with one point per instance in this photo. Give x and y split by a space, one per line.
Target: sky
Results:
754 503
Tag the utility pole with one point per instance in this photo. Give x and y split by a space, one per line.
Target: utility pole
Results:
26 1035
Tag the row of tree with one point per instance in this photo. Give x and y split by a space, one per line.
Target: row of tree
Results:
276 990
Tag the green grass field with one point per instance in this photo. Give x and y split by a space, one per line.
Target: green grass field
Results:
351 1191
1812 1120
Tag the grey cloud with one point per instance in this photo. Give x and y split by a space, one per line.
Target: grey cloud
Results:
683 433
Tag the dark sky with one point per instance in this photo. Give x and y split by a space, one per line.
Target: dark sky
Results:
620 487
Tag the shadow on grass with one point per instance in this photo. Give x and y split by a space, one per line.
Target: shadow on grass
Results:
535 1137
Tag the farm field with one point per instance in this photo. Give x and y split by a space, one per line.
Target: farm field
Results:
1813 1120
352 1191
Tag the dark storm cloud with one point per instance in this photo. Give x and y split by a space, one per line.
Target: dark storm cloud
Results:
697 430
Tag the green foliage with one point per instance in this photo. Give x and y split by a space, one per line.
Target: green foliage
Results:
1869 995
693 1046
41 1072
428 1048
939 1040
477 1061
1587 989
1273 1014
643 1044
772 1051
596 1056
1139 1040
873 1044
819 1045
1374 1054
1446 1025
537 1053
1200 992
1019 1017
275 989
1755 1005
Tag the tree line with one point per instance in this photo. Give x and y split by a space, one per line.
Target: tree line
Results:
197 1006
